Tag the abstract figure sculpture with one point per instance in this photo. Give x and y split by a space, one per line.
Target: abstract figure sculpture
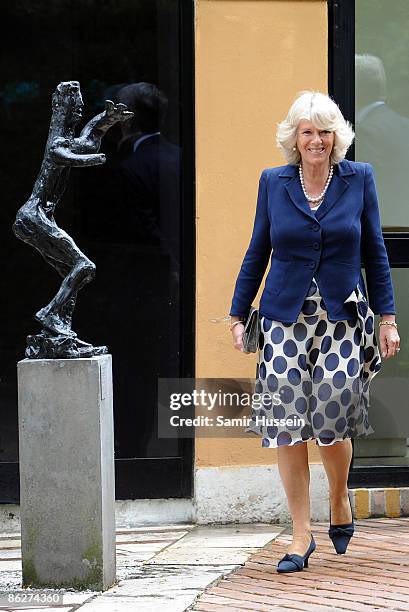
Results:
35 223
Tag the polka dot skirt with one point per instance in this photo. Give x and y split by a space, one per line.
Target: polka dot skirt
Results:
313 376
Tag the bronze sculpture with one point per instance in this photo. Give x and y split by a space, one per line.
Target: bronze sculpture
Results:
35 223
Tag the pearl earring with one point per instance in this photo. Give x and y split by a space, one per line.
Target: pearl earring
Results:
294 148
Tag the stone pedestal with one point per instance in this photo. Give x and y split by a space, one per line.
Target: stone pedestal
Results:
67 482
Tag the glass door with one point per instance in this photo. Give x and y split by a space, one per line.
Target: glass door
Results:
369 78
134 216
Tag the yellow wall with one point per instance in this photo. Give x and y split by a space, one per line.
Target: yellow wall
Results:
252 58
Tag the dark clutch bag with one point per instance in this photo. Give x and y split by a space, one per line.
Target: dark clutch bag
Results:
251 331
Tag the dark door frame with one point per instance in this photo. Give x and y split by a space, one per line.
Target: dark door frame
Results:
341 87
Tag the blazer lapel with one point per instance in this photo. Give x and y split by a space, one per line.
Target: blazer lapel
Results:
335 190
297 196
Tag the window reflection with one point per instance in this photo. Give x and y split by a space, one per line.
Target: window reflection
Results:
142 175
381 103
382 136
125 215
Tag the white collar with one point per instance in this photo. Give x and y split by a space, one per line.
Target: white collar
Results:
365 110
142 138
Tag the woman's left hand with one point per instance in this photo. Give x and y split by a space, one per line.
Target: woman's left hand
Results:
389 340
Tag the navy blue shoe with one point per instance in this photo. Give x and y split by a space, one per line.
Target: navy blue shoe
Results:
296 563
341 534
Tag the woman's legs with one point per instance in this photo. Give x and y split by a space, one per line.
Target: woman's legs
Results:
295 475
337 459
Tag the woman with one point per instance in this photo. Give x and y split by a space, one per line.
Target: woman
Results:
317 350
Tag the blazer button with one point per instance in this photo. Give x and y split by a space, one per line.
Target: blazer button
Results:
316 245
311 265
315 227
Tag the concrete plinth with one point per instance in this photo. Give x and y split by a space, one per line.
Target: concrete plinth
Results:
67 481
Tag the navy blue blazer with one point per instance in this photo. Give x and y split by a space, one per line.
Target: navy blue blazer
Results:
328 245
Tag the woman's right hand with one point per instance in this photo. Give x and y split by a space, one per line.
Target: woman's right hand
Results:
237 332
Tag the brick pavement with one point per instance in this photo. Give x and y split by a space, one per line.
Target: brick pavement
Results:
372 575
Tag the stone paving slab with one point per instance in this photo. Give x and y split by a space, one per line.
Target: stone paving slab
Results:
10 543
71 601
124 559
242 536
39 608
10 554
143 547
162 528
158 589
193 555
120 605
139 536
161 569
135 554
9 566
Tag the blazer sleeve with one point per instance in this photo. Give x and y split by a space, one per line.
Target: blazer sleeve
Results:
377 269
256 258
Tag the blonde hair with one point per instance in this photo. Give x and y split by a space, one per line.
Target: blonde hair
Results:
324 113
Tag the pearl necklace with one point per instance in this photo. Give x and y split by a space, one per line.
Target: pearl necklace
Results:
322 194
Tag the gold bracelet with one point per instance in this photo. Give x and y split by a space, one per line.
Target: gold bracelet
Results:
235 323
389 323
